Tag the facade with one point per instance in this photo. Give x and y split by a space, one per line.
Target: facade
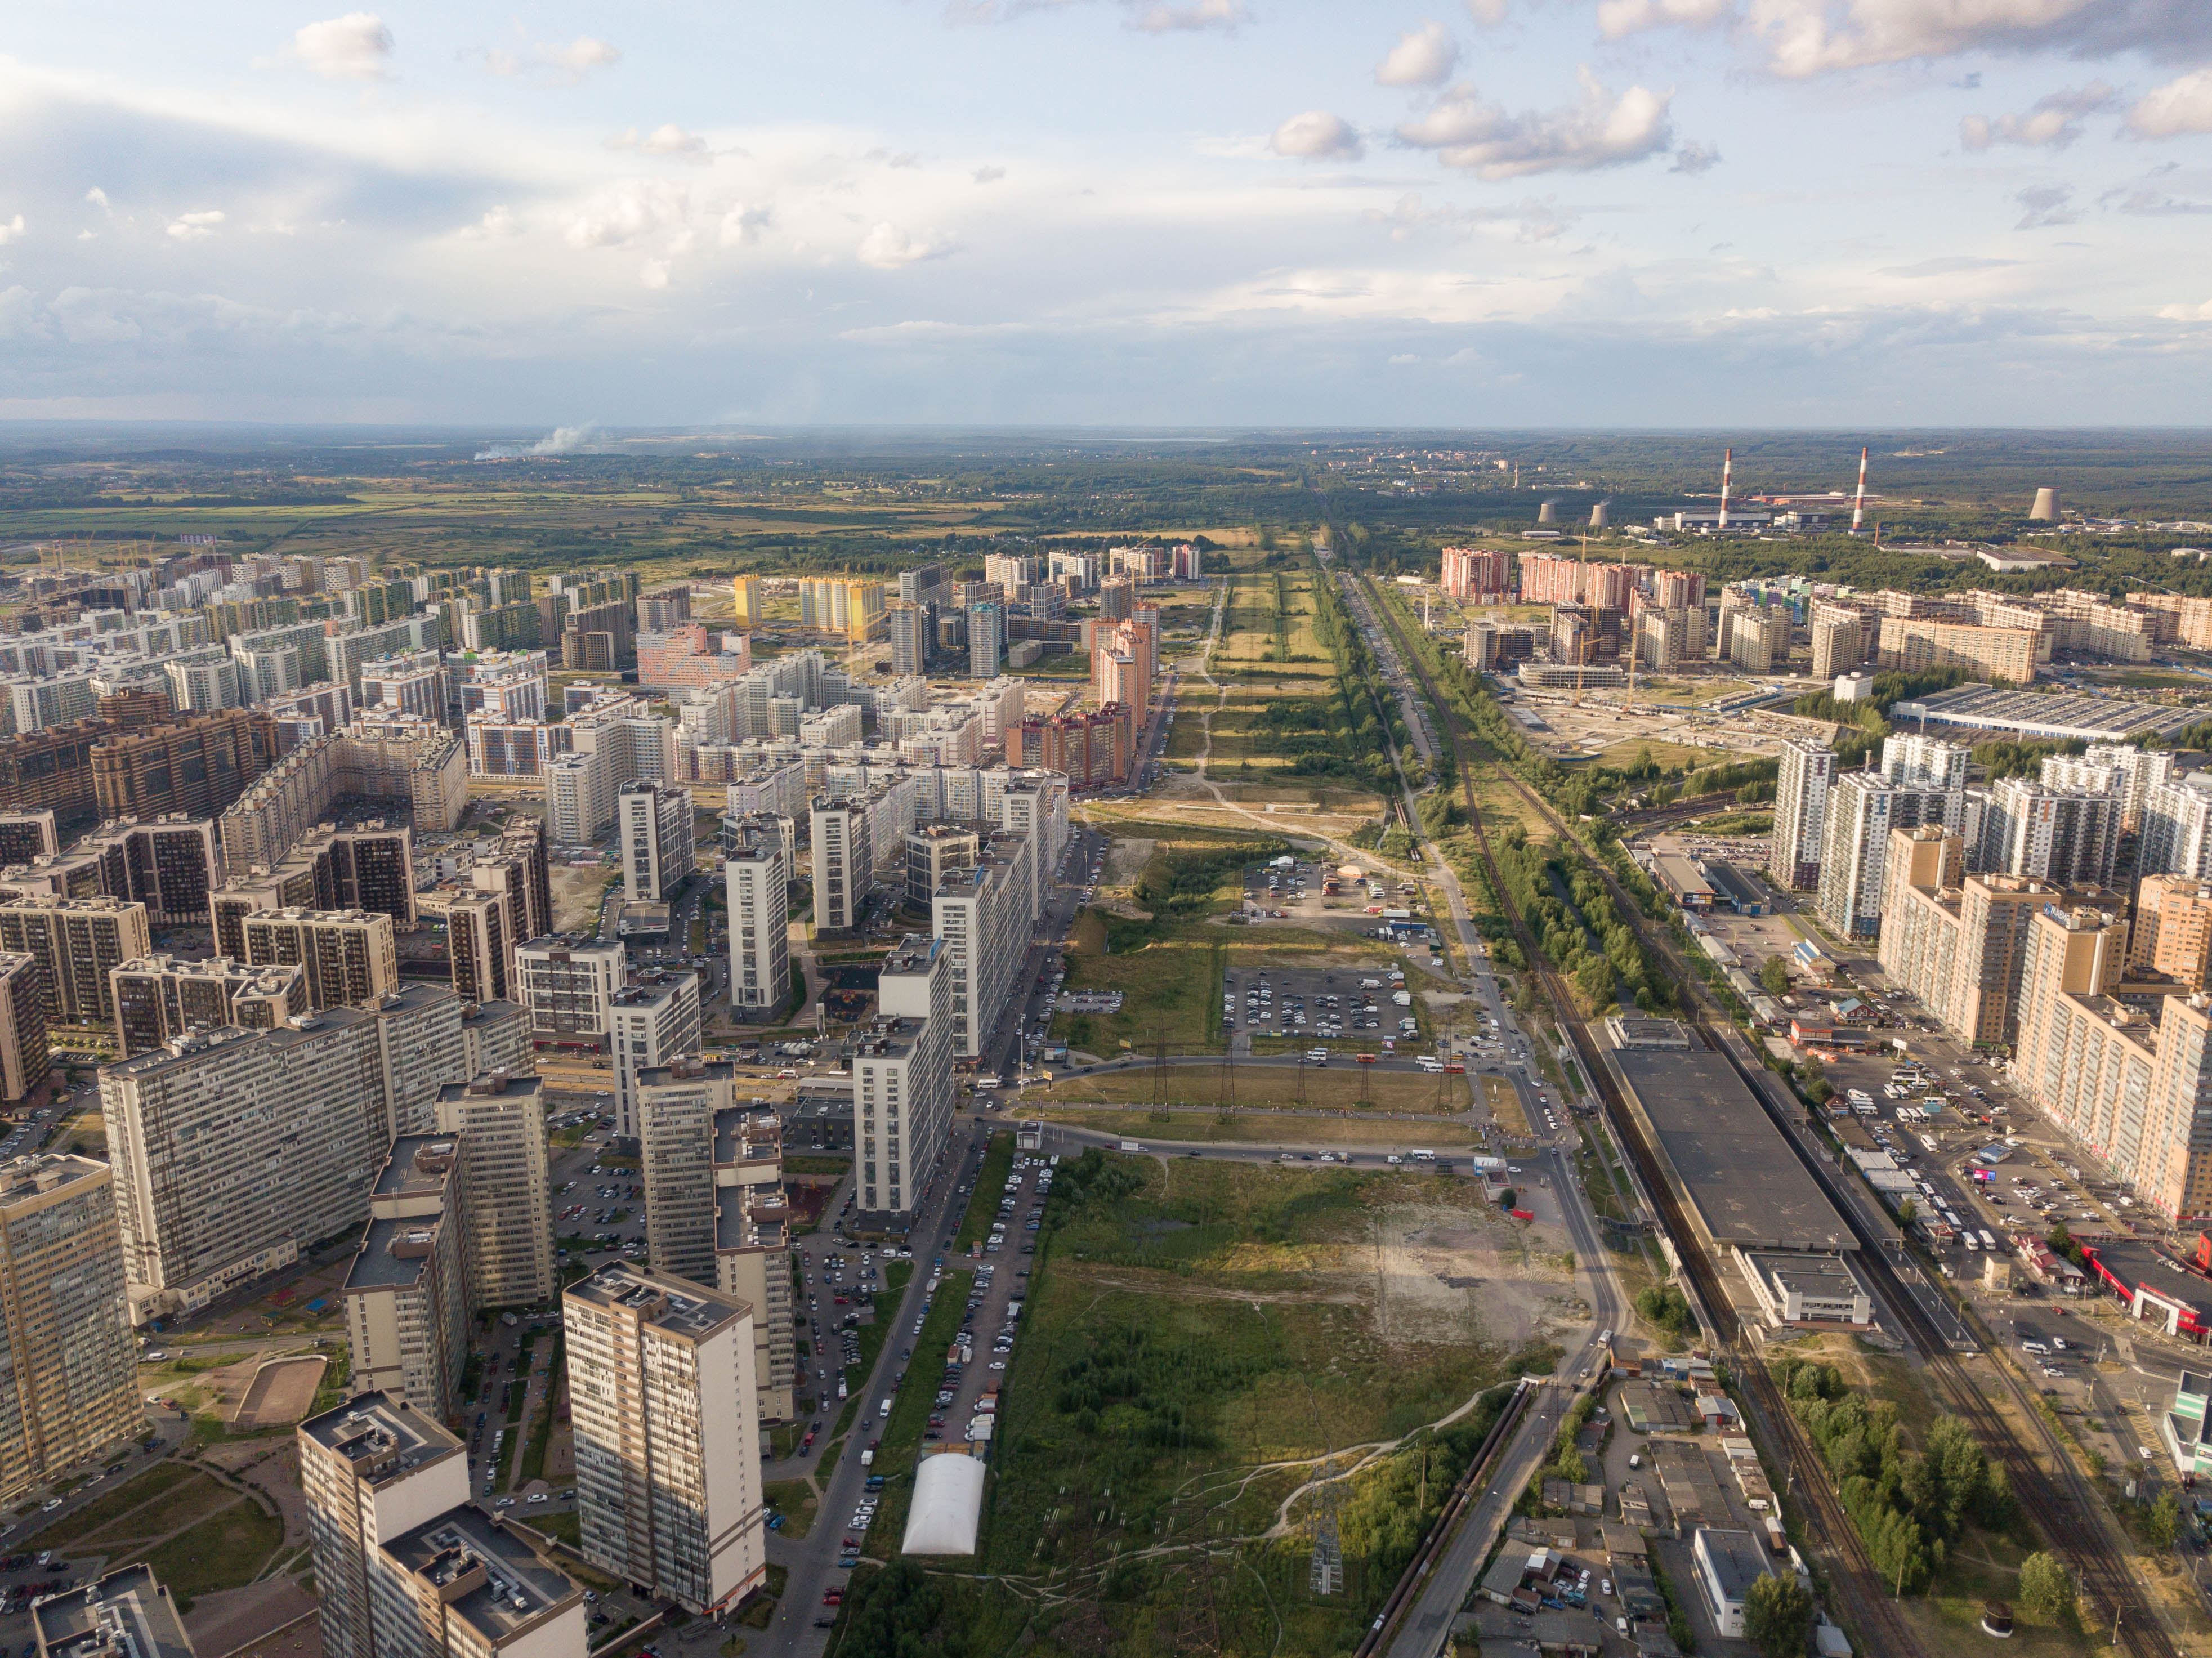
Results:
77 943
567 983
2070 836
495 1036
2136 1091
1801 787
480 933
158 997
653 823
902 1097
662 1396
844 861
198 764
234 1151
406 1294
2177 826
712 1173
987 640
934 851
24 1056
1668 638
70 1390
2173 931
506 1189
1728 1562
652 1020
757 890
349 956
579 797
1959 944
1863 808
1475 573
1914 644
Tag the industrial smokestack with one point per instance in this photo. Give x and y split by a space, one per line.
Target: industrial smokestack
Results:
1727 471
1858 503
1600 517
2045 510
1548 513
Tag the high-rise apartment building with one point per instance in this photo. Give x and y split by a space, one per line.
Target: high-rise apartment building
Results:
1958 942
1914 644
480 933
126 1612
495 1036
987 640
934 851
199 764
69 1389
1843 639
1666 639
158 997
234 1151
567 983
24 1057
902 1097
1807 774
1475 573
652 1020
406 1293
2173 931
654 822
2050 833
2136 1090
712 1166
26 835
662 1396
1915 762
349 954
77 943
1863 808
751 609
756 888
404 1566
985 915
2177 826
910 628
844 861
506 1188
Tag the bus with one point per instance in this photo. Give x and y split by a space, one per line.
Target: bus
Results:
1967 1238
1988 1240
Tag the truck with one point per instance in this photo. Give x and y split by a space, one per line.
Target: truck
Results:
868 1459
1132 1145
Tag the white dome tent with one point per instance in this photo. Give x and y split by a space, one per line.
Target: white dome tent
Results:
947 1506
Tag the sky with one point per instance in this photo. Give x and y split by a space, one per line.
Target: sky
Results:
1484 213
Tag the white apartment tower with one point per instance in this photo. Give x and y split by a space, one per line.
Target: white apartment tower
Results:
984 915
2051 833
654 822
406 1293
653 1020
1864 807
662 1394
566 983
903 1077
844 861
1801 813
757 882
1925 762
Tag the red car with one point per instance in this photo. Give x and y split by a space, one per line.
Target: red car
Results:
833 1597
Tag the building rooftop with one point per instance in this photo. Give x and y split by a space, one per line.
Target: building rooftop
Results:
886 1038
1806 1272
485 1574
1746 1183
382 1436
744 1133
418 1163
650 987
2034 715
912 954
34 1175
124 1614
393 1252
1728 881
674 1305
494 1085
1736 1559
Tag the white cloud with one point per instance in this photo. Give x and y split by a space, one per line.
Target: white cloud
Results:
97 197
2053 121
1530 220
987 175
2045 205
1423 57
10 229
2171 312
1618 17
2182 106
1605 128
888 248
563 65
1955 264
742 224
628 212
1693 158
653 273
195 226
666 139
497 222
1488 13
1317 136
355 47
1166 19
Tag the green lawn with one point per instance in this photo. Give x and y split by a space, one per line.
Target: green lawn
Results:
796 1503
132 1494
983 1201
223 1551
902 1433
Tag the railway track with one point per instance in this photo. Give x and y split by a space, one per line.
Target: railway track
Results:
2057 1499
1858 1590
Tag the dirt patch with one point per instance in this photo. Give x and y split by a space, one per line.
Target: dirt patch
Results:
230 1618
1451 1275
1125 861
280 1393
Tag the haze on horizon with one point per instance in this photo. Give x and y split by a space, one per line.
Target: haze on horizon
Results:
1168 213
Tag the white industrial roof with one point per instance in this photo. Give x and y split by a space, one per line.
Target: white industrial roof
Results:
947 1506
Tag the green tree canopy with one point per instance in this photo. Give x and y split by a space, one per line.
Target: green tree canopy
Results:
1777 1616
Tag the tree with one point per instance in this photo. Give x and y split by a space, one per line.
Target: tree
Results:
1774 977
2045 1590
1907 1212
1777 1616
2163 1523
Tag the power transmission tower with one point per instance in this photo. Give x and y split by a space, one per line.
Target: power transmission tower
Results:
1328 1548
1159 1074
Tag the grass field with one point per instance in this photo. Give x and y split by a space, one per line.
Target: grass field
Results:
1188 1324
1257 1129
132 1494
223 1551
1334 1086
983 1200
1171 989
1504 1101
796 1504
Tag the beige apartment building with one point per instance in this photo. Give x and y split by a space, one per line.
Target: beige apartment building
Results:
662 1399
1959 943
77 942
2173 931
24 1056
715 1205
506 1186
70 1388
2127 1085
406 1294
1912 645
350 955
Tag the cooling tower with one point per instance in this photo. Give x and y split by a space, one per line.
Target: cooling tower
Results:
1548 513
2045 510
1599 518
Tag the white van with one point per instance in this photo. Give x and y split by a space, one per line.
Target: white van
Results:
1418 1155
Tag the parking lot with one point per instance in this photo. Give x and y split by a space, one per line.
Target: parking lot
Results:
1357 1007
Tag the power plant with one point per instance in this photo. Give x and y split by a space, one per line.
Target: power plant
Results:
2045 510
1548 513
1601 516
1858 501
1728 475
